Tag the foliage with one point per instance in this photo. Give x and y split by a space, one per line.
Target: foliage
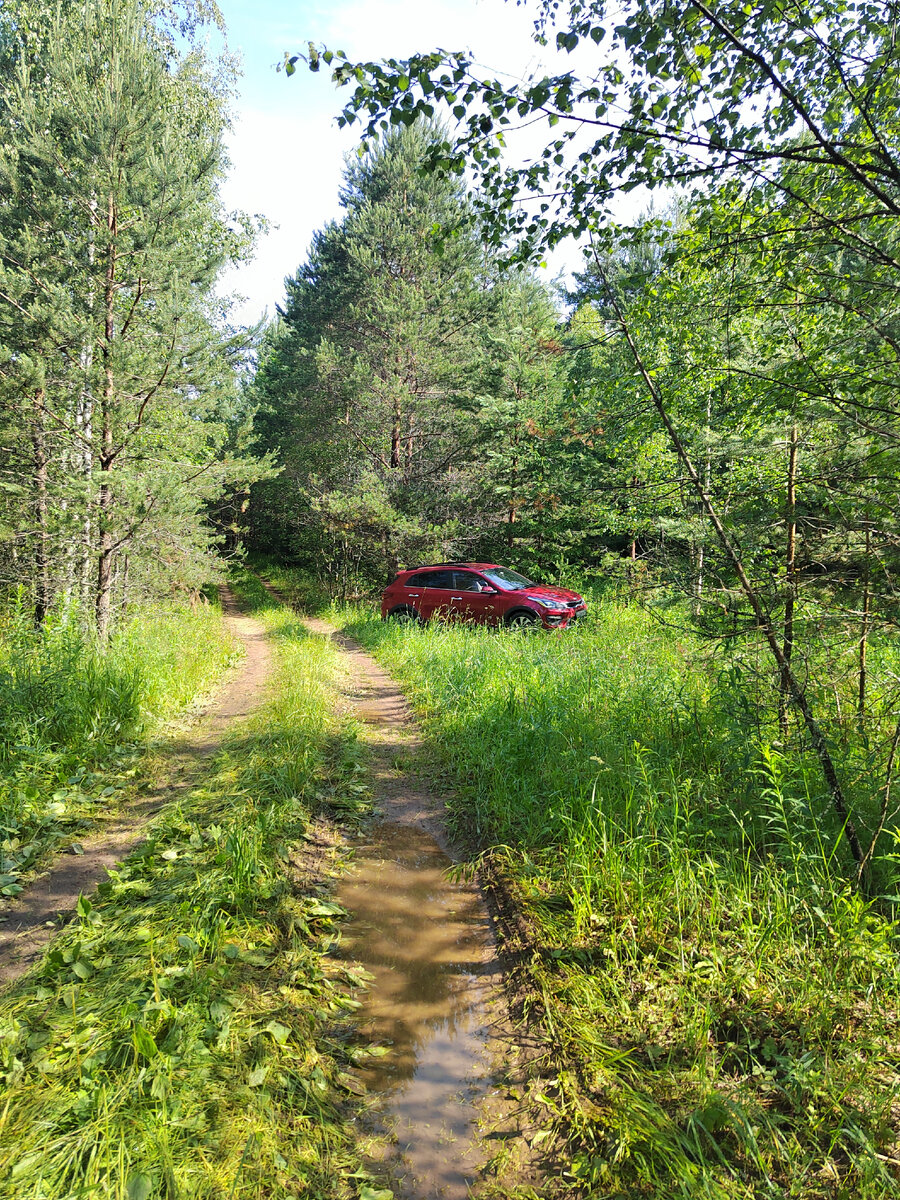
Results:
720 1006
781 128
173 1039
74 722
117 381
658 94
398 384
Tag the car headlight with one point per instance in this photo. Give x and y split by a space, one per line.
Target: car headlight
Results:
557 605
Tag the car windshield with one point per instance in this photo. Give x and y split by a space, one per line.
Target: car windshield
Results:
509 581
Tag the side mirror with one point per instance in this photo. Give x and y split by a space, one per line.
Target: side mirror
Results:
488 591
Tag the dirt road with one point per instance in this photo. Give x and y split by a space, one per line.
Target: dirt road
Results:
429 942
31 920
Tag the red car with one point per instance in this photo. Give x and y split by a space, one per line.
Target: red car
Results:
482 593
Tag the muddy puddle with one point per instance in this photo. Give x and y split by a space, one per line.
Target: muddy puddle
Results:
427 943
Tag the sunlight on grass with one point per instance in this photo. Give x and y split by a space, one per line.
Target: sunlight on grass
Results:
171 1043
722 1005
74 721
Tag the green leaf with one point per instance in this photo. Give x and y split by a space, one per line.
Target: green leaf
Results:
325 908
364 1052
139 1187
279 1032
24 1165
255 958
370 1193
258 1077
143 1042
351 1084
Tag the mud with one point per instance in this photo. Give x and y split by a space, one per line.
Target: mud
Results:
436 1000
30 921
426 943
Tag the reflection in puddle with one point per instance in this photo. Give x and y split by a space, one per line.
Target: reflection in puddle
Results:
426 941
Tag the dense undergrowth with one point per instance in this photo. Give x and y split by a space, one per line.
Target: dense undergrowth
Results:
73 718
172 1043
722 1003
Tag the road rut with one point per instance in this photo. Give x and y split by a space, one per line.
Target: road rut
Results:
30 921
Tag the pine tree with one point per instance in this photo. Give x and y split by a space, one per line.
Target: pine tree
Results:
372 385
112 235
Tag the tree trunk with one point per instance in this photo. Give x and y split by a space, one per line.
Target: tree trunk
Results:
790 580
632 543
864 631
512 512
763 620
707 483
86 420
396 427
39 467
512 508
105 552
410 436
125 587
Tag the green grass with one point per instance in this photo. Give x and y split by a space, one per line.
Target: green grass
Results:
722 1006
74 720
302 589
183 1037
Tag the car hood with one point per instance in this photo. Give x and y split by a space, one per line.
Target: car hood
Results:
552 593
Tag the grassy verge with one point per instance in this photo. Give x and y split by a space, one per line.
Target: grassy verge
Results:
175 1042
297 585
723 1007
74 721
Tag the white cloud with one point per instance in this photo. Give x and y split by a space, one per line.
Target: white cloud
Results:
289 172
286 149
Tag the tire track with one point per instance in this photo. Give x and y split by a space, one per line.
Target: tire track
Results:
31 920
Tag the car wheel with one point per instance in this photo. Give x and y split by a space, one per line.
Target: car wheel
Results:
404 616
523 619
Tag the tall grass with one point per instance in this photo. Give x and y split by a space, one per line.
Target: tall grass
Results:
72 716
723 1006
173 1043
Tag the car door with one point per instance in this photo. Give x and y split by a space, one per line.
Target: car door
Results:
473 599
436 594
428 592
414 592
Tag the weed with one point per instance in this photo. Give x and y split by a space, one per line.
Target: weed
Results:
172 1041
722 1006
74 719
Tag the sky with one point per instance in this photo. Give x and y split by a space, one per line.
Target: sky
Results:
287 152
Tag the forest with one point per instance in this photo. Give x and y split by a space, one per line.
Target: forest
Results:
683 812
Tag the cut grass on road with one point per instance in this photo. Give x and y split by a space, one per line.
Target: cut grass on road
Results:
182 1036
75 721
722 1005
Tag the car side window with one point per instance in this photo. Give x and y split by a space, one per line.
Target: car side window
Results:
465 581
431 579
438 579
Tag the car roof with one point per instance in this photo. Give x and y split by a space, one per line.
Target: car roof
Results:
475 566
